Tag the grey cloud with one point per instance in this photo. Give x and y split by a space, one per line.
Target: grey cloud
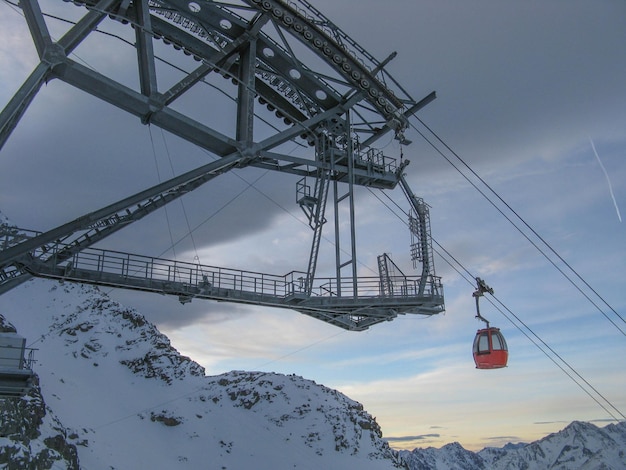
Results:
411 438
502 438
169 313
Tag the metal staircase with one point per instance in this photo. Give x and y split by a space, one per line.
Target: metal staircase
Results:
392 280
386 287
315 208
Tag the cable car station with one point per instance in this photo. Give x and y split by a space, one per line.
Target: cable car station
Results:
336 106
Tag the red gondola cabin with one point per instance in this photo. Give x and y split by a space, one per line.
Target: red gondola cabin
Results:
490 351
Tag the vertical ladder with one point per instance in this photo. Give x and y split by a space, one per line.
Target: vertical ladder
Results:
421 242
419 228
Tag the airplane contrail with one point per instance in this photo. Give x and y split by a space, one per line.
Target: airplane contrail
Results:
607 179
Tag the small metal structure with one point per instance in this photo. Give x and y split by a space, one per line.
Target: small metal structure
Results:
490 349
16 374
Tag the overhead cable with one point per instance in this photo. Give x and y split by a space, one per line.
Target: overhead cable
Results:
525 235
565 366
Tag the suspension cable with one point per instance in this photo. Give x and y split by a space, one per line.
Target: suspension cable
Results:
525 235
167 217
182 202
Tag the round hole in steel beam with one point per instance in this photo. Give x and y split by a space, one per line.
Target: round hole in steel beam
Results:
321 95
295 74
225 24
194 7
267 52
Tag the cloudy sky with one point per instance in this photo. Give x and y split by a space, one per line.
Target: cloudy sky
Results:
531 97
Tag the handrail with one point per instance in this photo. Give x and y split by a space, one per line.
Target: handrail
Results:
140 267
16 358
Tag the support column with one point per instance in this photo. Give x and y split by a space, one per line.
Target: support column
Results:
145 50
348 196
351 157
246 94
36 25
17 106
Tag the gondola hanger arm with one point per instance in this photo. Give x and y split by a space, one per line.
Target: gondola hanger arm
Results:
481 289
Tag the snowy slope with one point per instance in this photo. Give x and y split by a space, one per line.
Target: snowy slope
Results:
130 401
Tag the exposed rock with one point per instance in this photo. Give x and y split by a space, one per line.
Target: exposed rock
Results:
31 437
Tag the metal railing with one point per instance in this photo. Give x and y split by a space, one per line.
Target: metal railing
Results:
16 358
129 266
94 264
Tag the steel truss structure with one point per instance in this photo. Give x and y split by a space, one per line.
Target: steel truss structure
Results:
326 93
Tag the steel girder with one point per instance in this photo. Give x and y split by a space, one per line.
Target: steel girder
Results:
227 43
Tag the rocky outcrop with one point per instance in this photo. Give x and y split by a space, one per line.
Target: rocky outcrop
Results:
31 437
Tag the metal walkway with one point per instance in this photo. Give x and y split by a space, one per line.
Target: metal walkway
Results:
330 300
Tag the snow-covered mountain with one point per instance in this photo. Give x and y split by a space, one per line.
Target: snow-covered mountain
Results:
116 394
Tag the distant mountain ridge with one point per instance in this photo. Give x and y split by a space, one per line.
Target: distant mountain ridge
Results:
581 446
